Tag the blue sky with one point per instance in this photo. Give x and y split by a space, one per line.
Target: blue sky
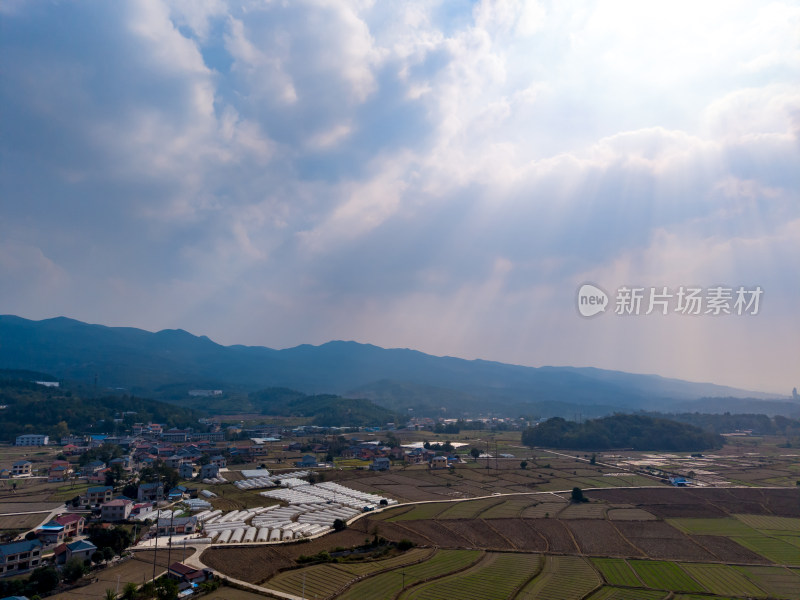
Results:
434 175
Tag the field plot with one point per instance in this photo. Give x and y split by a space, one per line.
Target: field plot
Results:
727 526
662 575
773 525
469 509
508 509
520 534
556 533
543 510
612 593
478 533
421 511
325 580
616 571
776 581
722 579
229 593
774 549
630 514
320 581
728 551
21 522
659 540
496 576
562 578
387 585
600 538
584 511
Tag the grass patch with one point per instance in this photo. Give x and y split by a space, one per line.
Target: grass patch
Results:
723 580
616 571
663 575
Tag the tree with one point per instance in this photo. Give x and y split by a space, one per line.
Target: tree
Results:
475 453
73 570
339 525
129 591
108 553
577 495
593 460
97 557
110 594
44 579
167 589
523 464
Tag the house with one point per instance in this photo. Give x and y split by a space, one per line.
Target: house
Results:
380 464
174 461
176 435
58 472
439 462
20 556
209 471
150 492
307 461
186 471
5 474
21 468
32 439
116 510
82 549
177 526
219 461
185 574
123 461
95 496
73 523
51 533
177 493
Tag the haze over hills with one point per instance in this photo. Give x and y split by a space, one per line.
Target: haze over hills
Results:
170 362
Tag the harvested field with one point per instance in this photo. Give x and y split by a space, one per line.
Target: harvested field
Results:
630 514
520 534
469 509
419 511
229 593
584 511
727 550
400 530
21 522
441 535
659 540
479 534
558 536
600 538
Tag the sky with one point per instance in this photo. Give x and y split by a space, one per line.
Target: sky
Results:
437 175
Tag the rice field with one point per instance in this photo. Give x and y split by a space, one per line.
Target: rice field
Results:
469 509
612 593
562 578
722 580
776 581
496 576
508 509
775 549
388 584
616 571
727 526
770 523
663 575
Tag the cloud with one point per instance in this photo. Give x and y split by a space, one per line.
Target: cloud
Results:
432 175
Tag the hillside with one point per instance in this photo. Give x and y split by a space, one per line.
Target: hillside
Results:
168 363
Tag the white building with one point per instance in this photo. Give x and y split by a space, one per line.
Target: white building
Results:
32 439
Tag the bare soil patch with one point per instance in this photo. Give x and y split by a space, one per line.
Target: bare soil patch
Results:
728 551
660 540
600 538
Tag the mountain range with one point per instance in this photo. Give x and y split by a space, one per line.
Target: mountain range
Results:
167 364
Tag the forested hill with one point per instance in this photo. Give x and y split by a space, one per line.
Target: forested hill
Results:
637 432
324 410
28 407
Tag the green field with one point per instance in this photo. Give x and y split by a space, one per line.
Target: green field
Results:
616 571
562 578
508 509
776 550
387 585
612 593
663 575
727 526
776 581
770 524
722 579
496 576
325 580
